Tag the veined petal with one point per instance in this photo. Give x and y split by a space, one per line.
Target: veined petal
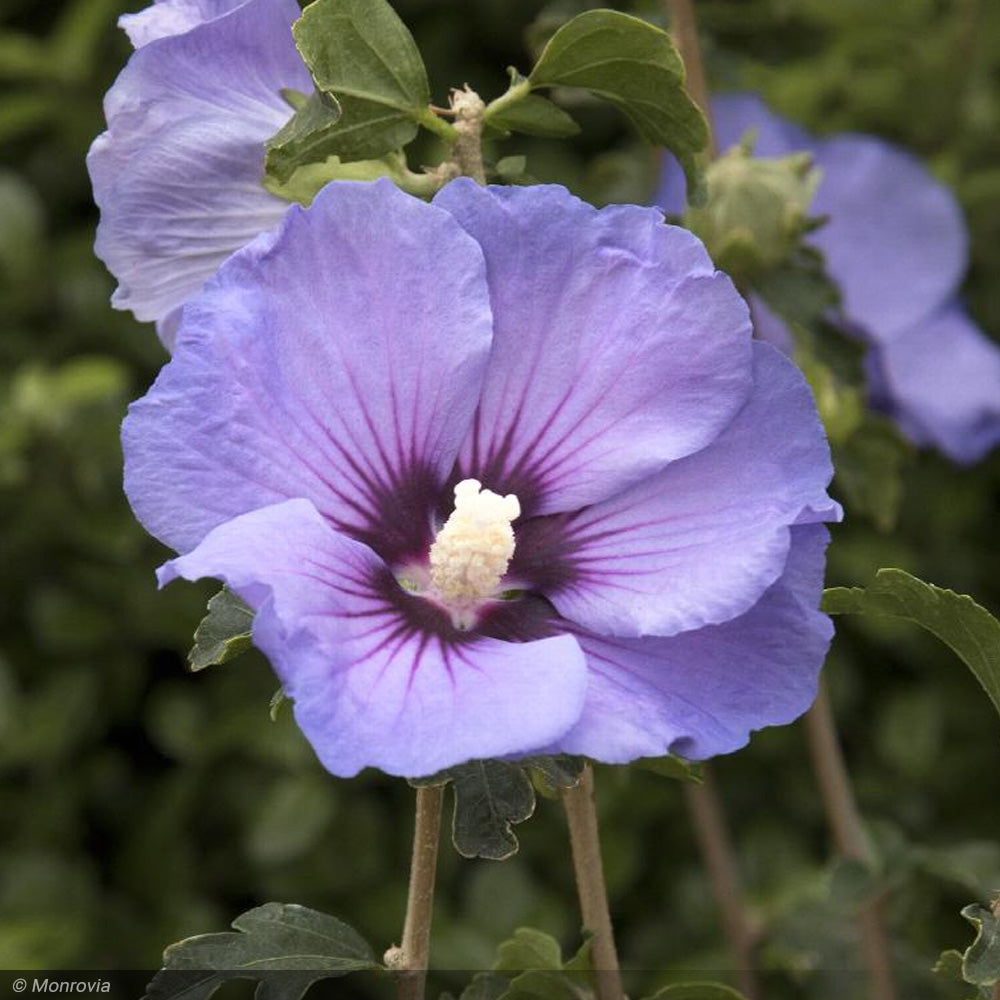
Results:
171 17
373 684
617 349
942 379
178 174
895 241
338 358
702 693
700 542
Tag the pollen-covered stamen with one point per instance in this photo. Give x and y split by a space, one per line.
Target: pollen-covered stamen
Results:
473 550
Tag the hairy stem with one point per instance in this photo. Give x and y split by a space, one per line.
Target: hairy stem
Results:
412 957
469 118
684 28
581 816
849 838
716 847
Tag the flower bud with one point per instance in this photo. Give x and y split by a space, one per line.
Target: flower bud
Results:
756 210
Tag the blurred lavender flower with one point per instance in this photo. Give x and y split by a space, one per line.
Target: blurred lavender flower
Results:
896 244
647 573
178 174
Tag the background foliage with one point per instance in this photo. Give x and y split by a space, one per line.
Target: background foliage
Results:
142 804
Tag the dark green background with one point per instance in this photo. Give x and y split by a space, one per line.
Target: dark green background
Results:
140 804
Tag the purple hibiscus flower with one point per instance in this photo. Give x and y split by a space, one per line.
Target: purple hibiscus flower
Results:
896 244
178 174
499 474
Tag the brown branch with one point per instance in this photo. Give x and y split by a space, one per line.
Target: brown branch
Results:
581 815
719 857
849 838
411 959
684 28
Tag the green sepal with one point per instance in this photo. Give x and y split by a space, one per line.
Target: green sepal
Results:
302 945
968 629
310 178
755 212
636 67
224 633
671 766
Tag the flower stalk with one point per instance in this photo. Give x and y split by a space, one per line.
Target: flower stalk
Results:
849 838
469 120
684 29
719 857
581 815
410 960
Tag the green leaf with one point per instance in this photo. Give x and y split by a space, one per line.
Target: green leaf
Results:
670 767
486 986
528 949
224 633
697 991
971 632
634 66
490 797
363 60
981 961
949 965
275 937
543 975
534 115
307 137
541 985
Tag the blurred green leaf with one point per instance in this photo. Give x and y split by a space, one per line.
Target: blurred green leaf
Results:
224 633
854 883
22 113
697 991
528 949
23 57
969 630
635 66
290 818
869 468
275 937
543 975
486 986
